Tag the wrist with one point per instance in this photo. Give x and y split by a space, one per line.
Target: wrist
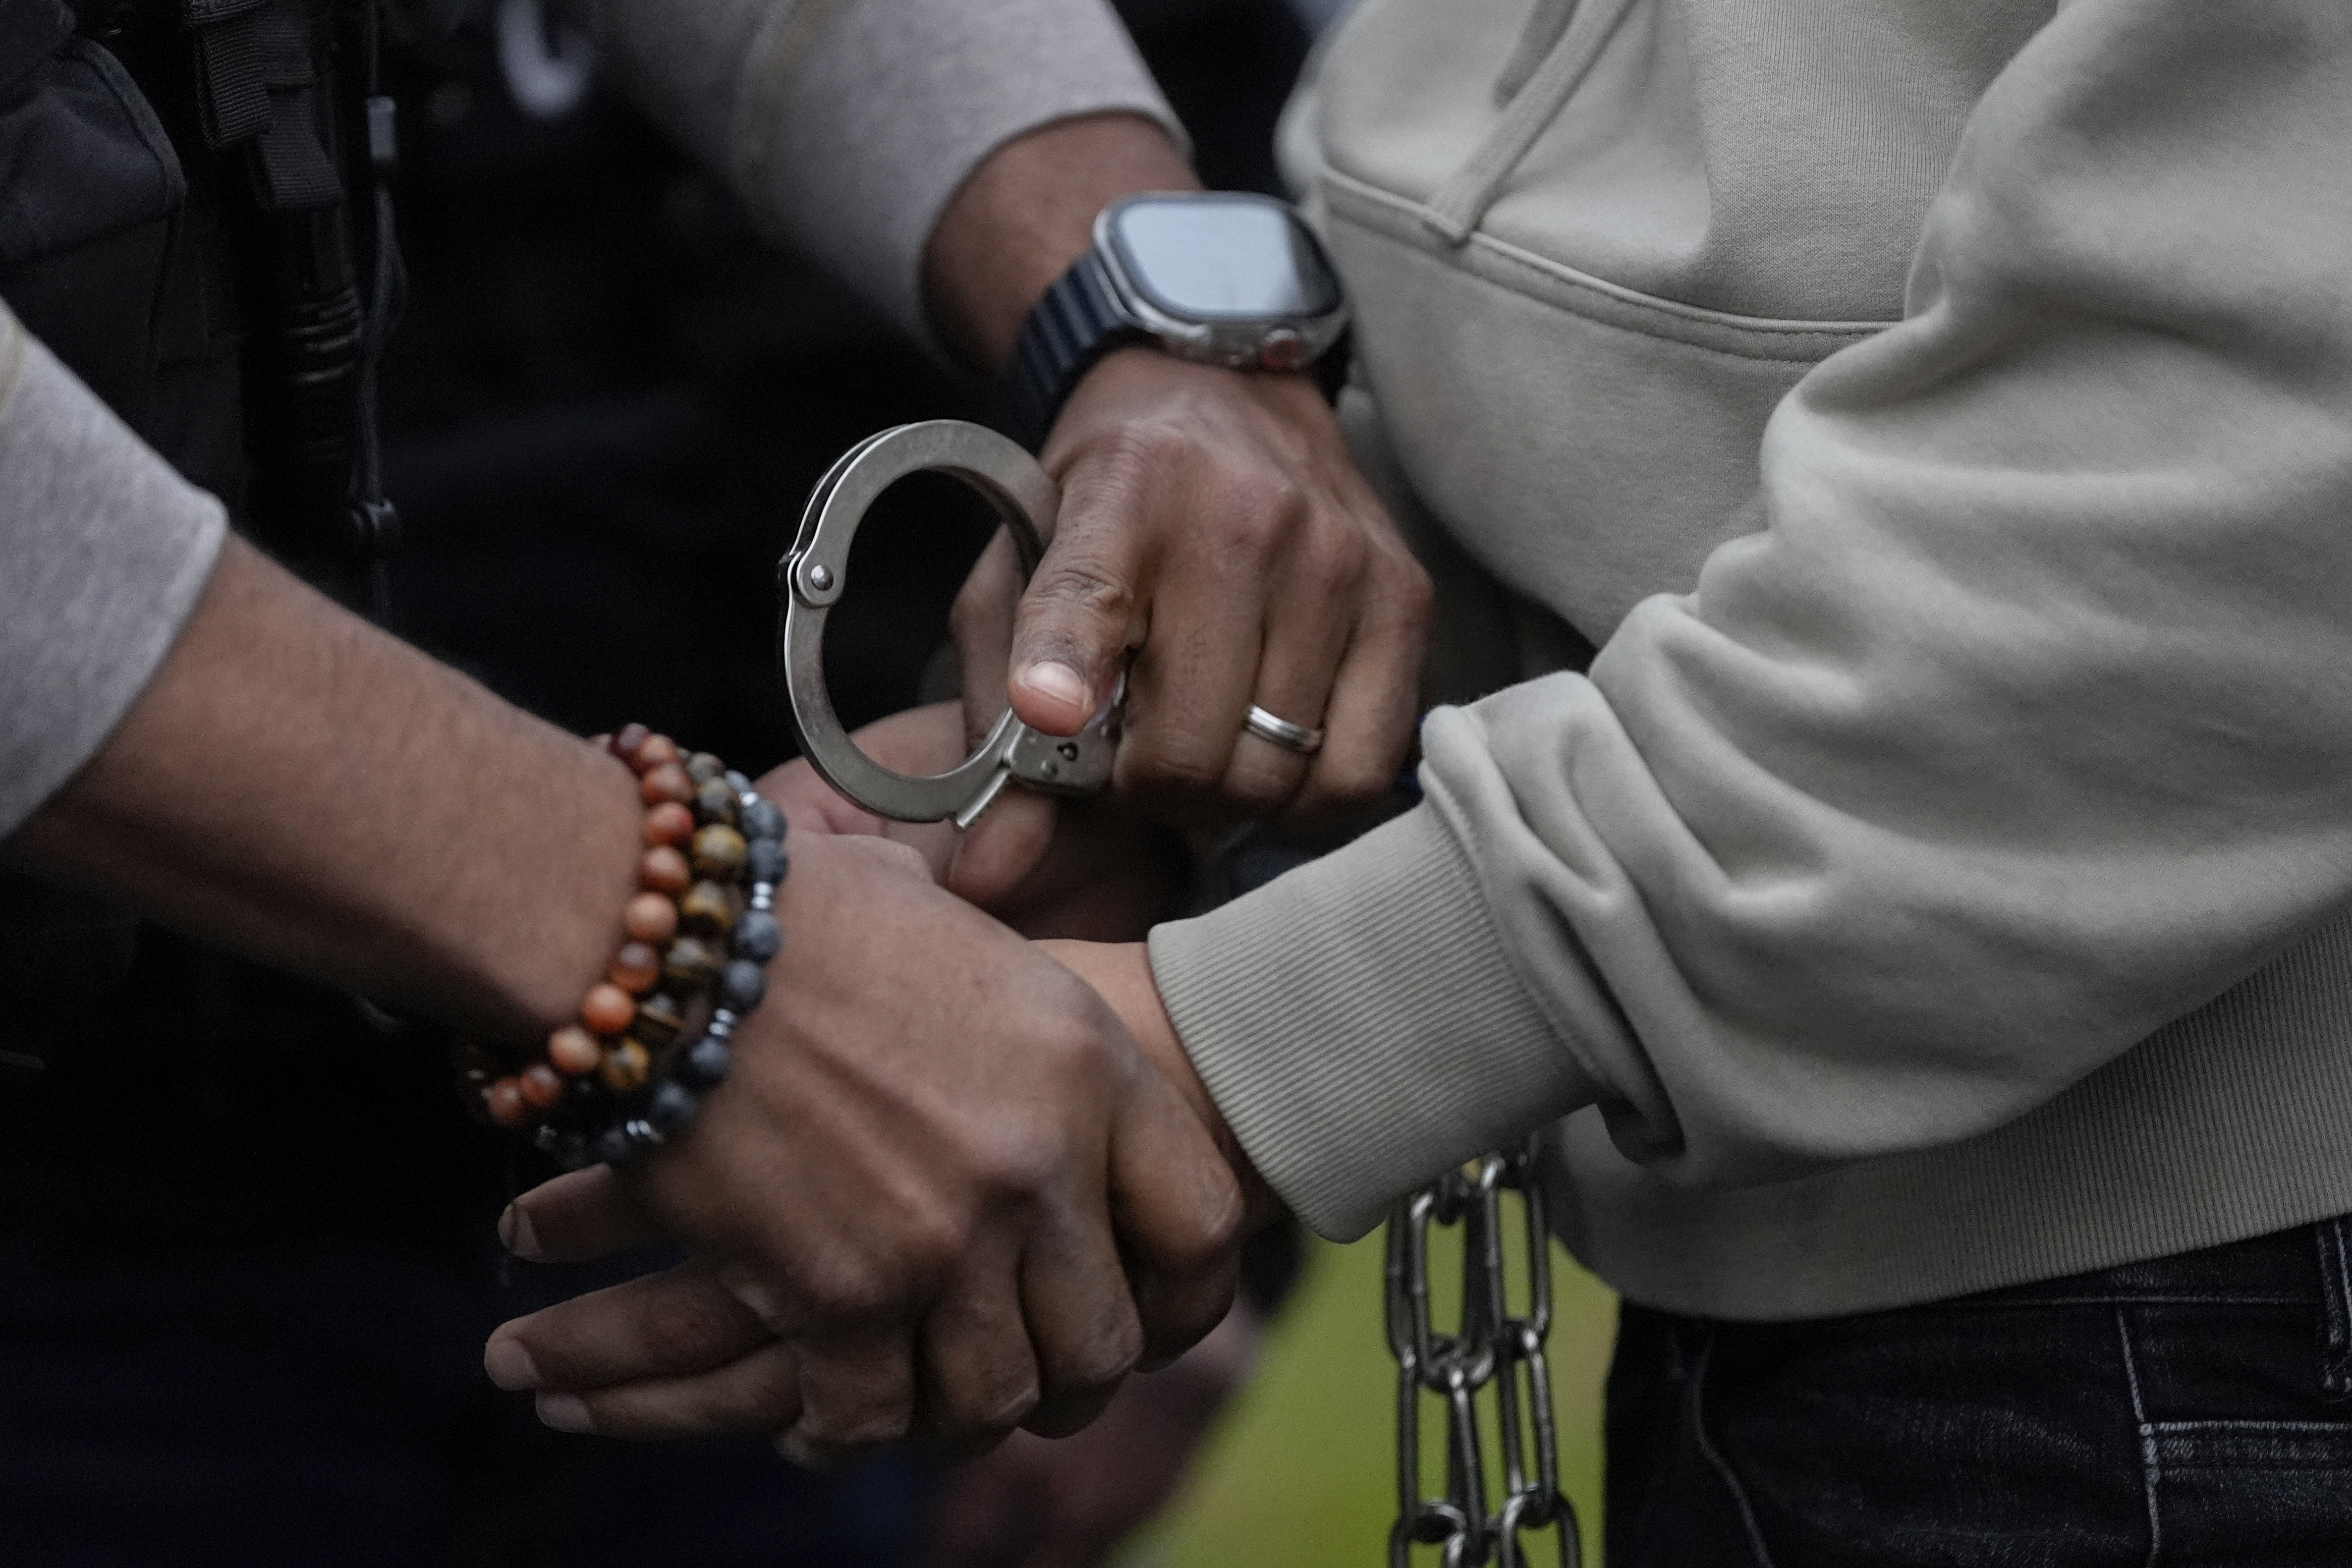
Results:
1025 214
545 965
1120 972
628 1071
1225 278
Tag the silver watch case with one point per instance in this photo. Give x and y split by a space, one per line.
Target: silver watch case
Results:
1276 343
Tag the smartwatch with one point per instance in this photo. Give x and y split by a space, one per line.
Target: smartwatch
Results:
1216 277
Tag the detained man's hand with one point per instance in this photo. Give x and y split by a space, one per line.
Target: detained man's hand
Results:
941 1192
1212 523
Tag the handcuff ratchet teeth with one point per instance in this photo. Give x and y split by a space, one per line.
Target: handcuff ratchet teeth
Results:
814 572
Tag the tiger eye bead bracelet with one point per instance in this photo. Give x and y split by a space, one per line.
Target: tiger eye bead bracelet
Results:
623 1077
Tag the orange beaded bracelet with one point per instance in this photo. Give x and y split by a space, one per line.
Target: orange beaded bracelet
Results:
624 1075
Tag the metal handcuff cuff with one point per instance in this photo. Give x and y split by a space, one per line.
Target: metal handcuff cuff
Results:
813 575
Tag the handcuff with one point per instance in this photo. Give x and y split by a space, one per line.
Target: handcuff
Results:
812 575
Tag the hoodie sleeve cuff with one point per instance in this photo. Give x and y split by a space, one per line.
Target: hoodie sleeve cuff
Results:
1359 1026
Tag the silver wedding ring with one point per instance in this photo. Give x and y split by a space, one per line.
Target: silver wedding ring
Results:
1282 732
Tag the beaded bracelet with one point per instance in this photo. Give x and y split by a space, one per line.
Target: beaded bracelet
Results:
713 857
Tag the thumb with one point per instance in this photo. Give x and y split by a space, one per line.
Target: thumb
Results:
1084 608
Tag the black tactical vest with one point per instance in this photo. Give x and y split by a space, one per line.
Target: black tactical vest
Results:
198 228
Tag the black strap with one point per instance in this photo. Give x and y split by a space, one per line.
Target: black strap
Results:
1077 324
258 81
374 522
232 90
327 261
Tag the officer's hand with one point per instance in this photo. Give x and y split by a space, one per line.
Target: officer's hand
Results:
1214 523
939 1172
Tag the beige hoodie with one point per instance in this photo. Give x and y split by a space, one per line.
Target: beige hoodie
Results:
1942 415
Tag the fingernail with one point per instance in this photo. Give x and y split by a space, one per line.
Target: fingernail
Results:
565 1413
796 1450
509 1365
754 1293
516 1235
1052 679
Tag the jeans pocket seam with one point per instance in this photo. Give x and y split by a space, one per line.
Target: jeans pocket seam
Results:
2334 1312
2151 1460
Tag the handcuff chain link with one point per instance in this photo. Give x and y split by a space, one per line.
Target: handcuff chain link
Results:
1490 1355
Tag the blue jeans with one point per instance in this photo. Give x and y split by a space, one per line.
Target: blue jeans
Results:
2196 1409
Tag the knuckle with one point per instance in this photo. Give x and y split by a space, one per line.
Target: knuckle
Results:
1207 1233
840 1292
1173 766
1016 1164
930 1239
1186 1321
989 1408
1268 498
1408 593
1222 1227
1261 784
1102 1359
1080 584
1253 515
1336 576
850 1287
1072 1041
1019 1161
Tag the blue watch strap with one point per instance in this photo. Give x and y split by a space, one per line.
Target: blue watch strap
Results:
1076 323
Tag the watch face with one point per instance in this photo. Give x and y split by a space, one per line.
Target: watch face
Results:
1221 258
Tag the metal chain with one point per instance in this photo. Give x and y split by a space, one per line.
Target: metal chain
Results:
1488 1352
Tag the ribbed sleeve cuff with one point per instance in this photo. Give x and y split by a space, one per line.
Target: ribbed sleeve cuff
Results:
1359 1026
103 551
859 118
